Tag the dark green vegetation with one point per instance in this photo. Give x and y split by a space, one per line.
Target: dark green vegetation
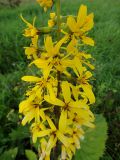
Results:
13 65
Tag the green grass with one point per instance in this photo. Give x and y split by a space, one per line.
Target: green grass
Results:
106 52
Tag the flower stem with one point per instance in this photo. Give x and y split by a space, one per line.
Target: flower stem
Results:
58 36
56 109
58 18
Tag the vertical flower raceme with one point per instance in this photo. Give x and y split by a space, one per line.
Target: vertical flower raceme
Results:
59 98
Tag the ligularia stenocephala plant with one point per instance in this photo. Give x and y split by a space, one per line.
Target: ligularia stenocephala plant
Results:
57 104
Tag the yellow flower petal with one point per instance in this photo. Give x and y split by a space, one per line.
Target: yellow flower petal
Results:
66 91
40 63
65 140
88 74
51 143
89 23
24 105
89 93
82 14
63 154
28 117
56 102
72 24
63 118
58 45
49 45
31 79
44 133
88 40
51 124
71 46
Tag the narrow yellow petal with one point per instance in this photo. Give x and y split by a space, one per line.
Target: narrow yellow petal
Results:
89 23
30 51
44 133
88 40
72 24
49 44
51 143
89 65
56 102
51 124
89 93
46 71
23 105
88 74
31 79
66 91
63 118
65 140
42 114
40 63
43 144
28 117
76 141
71 46
58 45
75 92
63 154
82 14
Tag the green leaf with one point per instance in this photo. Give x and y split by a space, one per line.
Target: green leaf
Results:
93 146
9 155
19 133
30 155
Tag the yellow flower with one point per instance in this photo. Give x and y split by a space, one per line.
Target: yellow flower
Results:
46 147
31 110
40 85
54 134
31 31
45 4
83 81
35 128
82 25
52 64
68 152
51 49
80 121
73 51
51 58
32 51
68 104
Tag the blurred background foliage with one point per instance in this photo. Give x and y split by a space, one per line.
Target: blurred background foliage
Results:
14 138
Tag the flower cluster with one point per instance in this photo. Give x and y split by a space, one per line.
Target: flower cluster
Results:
57 103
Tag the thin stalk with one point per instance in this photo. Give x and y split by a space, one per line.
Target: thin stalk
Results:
56 109
58 37
58 18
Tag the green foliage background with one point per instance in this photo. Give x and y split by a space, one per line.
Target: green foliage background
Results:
13 65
